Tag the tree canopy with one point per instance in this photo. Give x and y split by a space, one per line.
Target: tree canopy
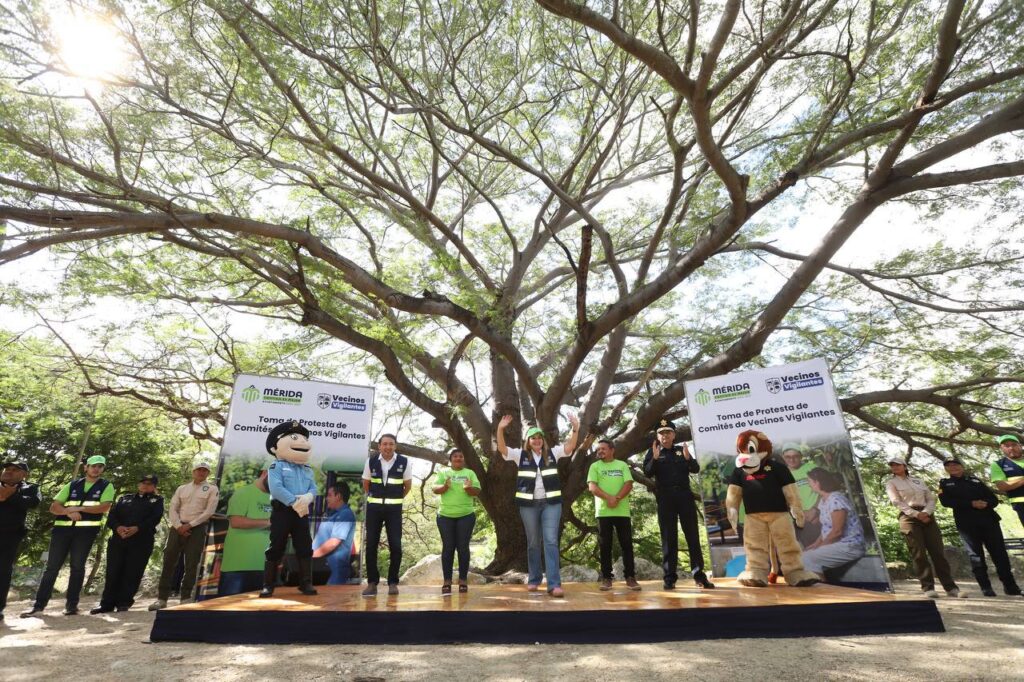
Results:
515 207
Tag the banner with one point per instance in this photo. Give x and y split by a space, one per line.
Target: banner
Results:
338 417
796 407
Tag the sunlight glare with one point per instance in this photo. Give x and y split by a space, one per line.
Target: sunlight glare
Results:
90 48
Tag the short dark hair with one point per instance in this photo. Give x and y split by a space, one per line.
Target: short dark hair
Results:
606 442
387 435
828 481
452 451
341 489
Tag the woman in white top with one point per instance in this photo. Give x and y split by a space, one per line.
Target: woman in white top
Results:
916 503
539 497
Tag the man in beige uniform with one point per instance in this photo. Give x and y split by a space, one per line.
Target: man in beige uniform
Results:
191 508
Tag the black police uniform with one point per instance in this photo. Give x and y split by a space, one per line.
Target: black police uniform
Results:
979 529
12 530
127 557
671 472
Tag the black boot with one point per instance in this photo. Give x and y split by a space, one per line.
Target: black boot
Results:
701 578
269 578
306 576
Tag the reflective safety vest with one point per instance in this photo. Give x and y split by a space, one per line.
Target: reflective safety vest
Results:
1013 472
391 491
526 481
77 497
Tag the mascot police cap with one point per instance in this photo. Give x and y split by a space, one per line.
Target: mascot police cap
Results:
283 429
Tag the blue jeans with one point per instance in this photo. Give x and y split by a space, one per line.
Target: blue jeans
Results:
64 541
541 524
237 582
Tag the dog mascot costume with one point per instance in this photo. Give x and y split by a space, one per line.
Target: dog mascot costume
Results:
769 491
292 490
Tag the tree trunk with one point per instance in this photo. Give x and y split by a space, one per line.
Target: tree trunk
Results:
498 498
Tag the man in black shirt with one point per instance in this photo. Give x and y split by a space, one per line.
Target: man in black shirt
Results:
973 505
134 519
670 466
16 498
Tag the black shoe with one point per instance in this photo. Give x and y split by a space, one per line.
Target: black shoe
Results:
1012 591
31 612
306 577
121 609
670 585
269 578
701 578
989 592
71 611
100 609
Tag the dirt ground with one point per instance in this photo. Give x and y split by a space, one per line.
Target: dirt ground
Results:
984 640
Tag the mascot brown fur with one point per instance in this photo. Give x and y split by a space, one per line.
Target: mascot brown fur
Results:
764 530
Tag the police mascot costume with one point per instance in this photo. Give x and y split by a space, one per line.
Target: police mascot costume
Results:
771 499
292 490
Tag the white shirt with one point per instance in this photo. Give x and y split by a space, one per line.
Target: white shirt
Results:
558 452
385 467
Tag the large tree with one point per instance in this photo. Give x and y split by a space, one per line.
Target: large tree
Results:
512 207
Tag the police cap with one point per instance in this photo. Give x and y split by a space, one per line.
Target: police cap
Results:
283 429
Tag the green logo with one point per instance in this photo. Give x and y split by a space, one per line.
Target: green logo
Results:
702 397
251 394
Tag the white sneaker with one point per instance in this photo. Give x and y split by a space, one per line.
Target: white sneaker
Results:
931 594
955 593
158 604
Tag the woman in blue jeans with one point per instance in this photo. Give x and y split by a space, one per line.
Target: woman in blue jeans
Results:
457 487
539 498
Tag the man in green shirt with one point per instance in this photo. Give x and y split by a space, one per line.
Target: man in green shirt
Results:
79 508
793 456
241 565
610 482
1008 472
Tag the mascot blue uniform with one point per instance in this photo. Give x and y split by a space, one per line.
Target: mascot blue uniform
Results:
292 490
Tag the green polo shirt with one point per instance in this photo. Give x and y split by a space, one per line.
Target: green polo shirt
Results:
106 496
610 477
808 498
456 502
244 547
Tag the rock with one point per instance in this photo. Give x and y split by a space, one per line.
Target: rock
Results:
645 570
579 574
512 578
427 571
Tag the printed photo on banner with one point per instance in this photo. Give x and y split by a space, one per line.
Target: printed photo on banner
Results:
338 419
794 410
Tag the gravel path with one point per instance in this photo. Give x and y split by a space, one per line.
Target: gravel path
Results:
984 640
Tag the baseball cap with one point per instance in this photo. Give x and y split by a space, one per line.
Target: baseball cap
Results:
96 459
952 460
150 478
283 429
896 460
201 463
1007 437
18 464
666 425
534 431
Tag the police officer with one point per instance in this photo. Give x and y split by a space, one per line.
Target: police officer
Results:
973 505
79 508
16 498
134 519
670 466
292 490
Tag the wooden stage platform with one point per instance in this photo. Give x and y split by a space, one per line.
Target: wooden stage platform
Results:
510 614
